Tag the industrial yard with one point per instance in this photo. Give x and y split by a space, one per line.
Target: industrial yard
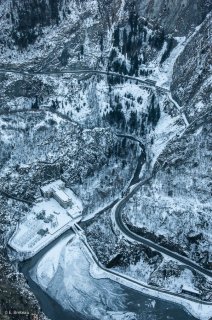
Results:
53 213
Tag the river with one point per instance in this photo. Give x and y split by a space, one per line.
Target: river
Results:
145 307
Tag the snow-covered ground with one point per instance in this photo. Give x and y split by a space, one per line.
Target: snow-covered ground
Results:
167 128
176 218
198 310
46 221
163 73
89 289
51 35
84 40
64 273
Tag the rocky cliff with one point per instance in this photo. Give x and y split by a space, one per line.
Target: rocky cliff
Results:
191 84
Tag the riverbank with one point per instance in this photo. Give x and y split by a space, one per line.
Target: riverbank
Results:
139 303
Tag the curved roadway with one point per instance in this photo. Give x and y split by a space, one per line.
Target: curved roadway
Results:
124 229
84 240
146 82
118 216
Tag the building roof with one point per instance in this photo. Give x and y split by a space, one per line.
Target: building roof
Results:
210 255
188 288
62 195
55 185
74 214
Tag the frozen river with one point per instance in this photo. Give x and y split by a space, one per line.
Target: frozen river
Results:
60 279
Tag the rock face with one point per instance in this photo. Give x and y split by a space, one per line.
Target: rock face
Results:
191 85
29 17
14 292
78 23
176 16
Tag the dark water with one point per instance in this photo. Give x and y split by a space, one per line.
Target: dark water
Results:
144 306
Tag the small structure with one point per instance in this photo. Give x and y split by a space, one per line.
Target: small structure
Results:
49 218
74 214
54 223
210 257
41 215
186 289
62 198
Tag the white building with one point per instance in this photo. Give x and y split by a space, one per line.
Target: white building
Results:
210 257
56 191
74 213
49 218
190 291
47 189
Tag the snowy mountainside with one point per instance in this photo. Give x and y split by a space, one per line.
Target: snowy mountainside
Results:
128 47
176 205
50 147
69 125
191 85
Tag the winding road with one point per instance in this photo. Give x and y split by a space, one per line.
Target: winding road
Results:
136 183
147 82
133 236
118 216
82 236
